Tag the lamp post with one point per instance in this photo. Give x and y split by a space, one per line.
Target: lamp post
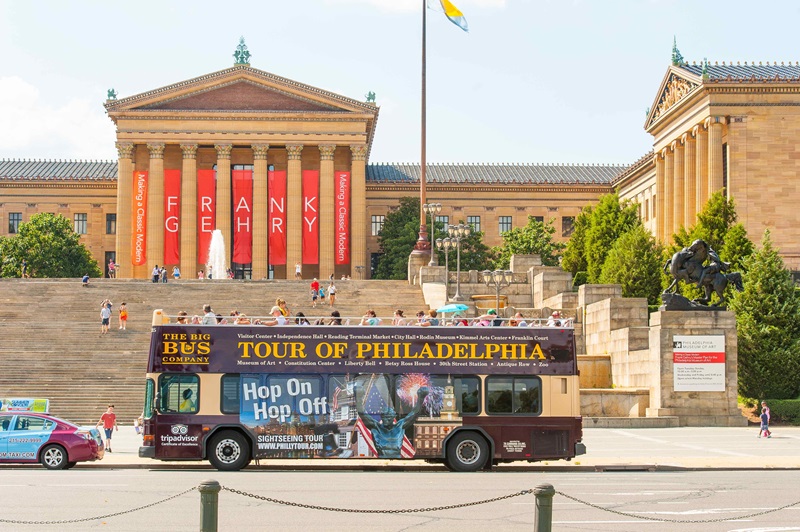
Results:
457 234
500 279
432 209
446 245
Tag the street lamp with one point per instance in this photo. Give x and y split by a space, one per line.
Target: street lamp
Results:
446 245
432 209
457 234
500 279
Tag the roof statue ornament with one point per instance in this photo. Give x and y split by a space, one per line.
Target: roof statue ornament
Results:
677 58
241 55
370 97
705 69
112 94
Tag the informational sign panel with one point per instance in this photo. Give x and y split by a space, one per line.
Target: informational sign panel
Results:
698 363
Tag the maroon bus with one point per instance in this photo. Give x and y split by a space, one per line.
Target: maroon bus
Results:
467 397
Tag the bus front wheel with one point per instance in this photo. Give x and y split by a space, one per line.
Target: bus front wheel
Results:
466 452
229 451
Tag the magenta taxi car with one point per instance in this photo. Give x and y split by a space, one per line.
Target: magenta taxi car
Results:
29 437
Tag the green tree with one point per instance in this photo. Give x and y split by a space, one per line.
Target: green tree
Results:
609 219
475 255
536 238
50 247
574 260
397 239
768 327
714 221
634 262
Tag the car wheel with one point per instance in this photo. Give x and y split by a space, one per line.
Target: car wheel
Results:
466 452
54 457
70 465
229 451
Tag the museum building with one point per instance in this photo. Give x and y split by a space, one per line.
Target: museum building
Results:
282 170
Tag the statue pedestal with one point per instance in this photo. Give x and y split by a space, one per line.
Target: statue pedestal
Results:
697 358
417 260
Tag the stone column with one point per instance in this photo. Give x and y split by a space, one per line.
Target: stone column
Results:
124 199
358 202
259 265
223 203
677 186
701 166
188 232
155 206
689 180
669 185
294 207
715 154
327 204
659 157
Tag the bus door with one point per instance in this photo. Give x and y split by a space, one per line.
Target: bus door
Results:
178 434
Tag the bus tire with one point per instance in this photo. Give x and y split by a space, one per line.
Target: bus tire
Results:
466 452
54 457
229 450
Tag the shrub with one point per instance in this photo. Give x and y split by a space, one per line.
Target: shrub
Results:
784 411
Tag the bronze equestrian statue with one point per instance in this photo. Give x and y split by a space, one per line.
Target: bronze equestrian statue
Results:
687 265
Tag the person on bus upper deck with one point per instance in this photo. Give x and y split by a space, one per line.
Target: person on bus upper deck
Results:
517 321
554 320
277 317
209 318
281 304
430 320
183 317
398 319
336 318
370 318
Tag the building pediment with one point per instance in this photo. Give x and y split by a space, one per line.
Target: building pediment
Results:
675 87
239 89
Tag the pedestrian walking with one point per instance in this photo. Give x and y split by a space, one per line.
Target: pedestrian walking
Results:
111 268
331 294
176 273
105 318
322 295
764 424
155 274
24 268
123 317
314 292
163 274
109 422
298 271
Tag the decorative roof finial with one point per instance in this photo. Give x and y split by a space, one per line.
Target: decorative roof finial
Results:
111 95
241 54
705 69
370 97
677 58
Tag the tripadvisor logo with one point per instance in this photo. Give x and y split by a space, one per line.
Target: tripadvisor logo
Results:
178 436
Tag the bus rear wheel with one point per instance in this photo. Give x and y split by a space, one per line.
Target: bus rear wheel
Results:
229 451
466 452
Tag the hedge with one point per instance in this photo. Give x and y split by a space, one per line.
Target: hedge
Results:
784 411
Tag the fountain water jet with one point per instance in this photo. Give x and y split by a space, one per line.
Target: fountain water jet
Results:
217 267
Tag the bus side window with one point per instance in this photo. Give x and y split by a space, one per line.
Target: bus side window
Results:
179 393
513 395
229 393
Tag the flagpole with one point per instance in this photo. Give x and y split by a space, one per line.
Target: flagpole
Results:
423 246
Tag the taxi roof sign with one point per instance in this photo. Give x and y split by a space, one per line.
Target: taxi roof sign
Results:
24 405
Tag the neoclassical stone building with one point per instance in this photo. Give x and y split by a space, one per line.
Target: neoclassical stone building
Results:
282 170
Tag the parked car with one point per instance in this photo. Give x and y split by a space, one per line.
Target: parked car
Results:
28 437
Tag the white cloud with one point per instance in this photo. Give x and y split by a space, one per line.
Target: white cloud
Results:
32 128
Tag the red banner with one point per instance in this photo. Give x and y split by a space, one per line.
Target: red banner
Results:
243 216
277 217
310 216
342 192
172 216
139 200
206 212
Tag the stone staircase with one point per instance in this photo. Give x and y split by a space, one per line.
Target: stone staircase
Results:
52 347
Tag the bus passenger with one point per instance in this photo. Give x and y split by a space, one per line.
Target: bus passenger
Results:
183 317
209 318
554 319
277 317
336 318
370 318
187 405
398 319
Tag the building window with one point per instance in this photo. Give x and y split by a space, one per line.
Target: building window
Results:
567 226
505 224
377 224
444 220
111 224
475 223
14 219
539 219
80 223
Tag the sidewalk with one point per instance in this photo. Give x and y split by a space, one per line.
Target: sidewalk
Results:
607 449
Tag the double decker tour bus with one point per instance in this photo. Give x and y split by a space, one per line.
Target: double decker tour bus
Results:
467 397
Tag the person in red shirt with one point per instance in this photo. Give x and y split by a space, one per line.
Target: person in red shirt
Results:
314 292
109 422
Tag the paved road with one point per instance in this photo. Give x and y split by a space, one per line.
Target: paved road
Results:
726 496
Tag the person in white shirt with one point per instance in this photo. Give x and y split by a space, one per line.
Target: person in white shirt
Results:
209 318
277 317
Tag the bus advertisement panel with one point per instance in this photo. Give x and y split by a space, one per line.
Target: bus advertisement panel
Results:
467 397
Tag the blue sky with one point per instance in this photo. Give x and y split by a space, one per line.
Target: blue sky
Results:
534 81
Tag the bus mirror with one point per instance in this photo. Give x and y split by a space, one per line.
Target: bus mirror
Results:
156 403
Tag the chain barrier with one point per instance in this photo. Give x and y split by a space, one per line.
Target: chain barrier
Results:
105 516
662 520
362 511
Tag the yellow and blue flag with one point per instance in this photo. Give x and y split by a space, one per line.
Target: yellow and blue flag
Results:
455 16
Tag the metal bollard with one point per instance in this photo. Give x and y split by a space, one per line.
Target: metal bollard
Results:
543 518
209 502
